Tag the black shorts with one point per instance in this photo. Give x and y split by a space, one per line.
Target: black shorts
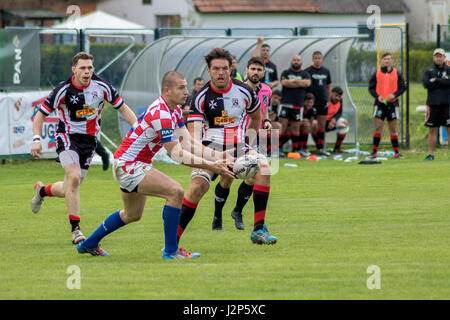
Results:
241 149
389 112
321 109
84 145
438 115
310 114
291 113
326 127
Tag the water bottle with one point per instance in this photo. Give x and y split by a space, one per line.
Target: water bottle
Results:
291 165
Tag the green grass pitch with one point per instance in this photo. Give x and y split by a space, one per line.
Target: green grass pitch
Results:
333 220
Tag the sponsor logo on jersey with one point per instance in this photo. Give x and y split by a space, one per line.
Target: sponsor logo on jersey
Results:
165 133
86 111
224 119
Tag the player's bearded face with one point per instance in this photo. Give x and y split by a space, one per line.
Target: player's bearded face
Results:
83 72
255 73
219 71
334 97
296 63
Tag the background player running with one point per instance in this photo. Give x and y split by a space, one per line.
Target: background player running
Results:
78 102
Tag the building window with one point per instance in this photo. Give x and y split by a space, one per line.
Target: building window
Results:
168 21
146 2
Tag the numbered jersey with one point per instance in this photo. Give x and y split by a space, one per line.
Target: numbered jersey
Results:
156 126
79 108
265 97
224 113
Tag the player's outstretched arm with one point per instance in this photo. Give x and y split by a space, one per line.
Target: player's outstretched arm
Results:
186 158
36 146
128 114
195 147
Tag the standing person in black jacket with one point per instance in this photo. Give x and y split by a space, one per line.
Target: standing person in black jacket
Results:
436 80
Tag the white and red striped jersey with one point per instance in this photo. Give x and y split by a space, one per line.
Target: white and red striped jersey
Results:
79 108
225 113
156 126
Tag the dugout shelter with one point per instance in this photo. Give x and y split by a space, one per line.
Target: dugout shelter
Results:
184 54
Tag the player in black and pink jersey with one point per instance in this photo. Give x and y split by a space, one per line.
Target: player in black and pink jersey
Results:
226 107
78 102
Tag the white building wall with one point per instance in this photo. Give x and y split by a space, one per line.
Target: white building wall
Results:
424 16
280 20
135 11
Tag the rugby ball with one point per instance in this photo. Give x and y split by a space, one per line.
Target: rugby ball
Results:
246 167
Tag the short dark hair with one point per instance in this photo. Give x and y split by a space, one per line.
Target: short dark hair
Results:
337 90
386 54
256 60
82 56
169 77
309 96
265 45
198 79
277 92
218 53
317 52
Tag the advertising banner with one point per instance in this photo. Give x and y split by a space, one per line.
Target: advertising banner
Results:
20 66
17 125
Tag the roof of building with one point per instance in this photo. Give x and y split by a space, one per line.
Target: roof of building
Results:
35 13
299 6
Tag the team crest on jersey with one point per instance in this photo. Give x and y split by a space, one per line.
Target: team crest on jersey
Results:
235 102
73 99
95 95
212 104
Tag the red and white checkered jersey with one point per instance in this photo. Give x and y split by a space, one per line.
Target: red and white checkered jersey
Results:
79 108
225 113
156 126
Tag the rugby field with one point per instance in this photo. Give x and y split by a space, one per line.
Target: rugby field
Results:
334 220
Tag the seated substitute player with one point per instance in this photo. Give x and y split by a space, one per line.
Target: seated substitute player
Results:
335 121
386 86
132 168
309 114
78 102
225 106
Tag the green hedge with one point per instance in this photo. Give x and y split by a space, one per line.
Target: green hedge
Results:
56 61
362 64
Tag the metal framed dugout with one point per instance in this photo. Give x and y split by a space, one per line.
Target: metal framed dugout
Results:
142 82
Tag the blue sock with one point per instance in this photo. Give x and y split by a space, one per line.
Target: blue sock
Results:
171 218
112 223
